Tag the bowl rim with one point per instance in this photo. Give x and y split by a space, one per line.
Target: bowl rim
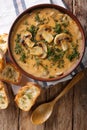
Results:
61 9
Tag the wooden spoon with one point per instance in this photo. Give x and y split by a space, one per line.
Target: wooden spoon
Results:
43 112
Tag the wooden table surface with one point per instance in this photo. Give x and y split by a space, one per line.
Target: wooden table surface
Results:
70 113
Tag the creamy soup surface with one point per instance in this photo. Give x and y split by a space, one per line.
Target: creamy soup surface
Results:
46 43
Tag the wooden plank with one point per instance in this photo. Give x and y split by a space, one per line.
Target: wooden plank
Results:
9 117
61 118
80 105
80 10
80 92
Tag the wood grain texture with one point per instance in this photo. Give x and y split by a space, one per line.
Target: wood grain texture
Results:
80 92
80 10
80 105
9 117
70 113
61 118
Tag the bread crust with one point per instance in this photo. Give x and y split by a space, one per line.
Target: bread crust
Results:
4 37
10 81
3 85
28 85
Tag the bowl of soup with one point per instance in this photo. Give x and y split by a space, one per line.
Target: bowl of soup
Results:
46 42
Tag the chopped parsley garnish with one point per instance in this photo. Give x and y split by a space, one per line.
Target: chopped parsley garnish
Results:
33 29
58 28
56 55
37 18
23 57
1 96
61 63
18 48
37 61
29 95
74 54
26 23
51 76
9 73
18 38
67 32
44 66
19 51
65 24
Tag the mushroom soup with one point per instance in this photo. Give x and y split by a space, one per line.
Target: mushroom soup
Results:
46 43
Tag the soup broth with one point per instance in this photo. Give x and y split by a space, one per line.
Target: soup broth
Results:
46 43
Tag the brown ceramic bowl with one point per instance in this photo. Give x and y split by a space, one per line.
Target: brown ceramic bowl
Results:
61 9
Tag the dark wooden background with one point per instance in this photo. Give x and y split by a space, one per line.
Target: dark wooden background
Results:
70 113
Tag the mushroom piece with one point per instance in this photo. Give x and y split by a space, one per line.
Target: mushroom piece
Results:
44 47
59 73
66 18
28 34
29 42
47 36
64 45
62 39
26 39
37 51
42 32
39 35
63 36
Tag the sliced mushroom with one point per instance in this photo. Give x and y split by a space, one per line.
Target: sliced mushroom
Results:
59 73
27 34
38 51
43 29
44 47
66 18
29 42
63 36
45 73
64 45
39 35
55 14
52 13
47 36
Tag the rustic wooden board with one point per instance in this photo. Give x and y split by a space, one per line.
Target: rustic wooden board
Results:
80 92
80 105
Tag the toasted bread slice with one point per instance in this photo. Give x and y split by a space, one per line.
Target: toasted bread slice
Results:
3 42
4 100
27 96
10 74
2 60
